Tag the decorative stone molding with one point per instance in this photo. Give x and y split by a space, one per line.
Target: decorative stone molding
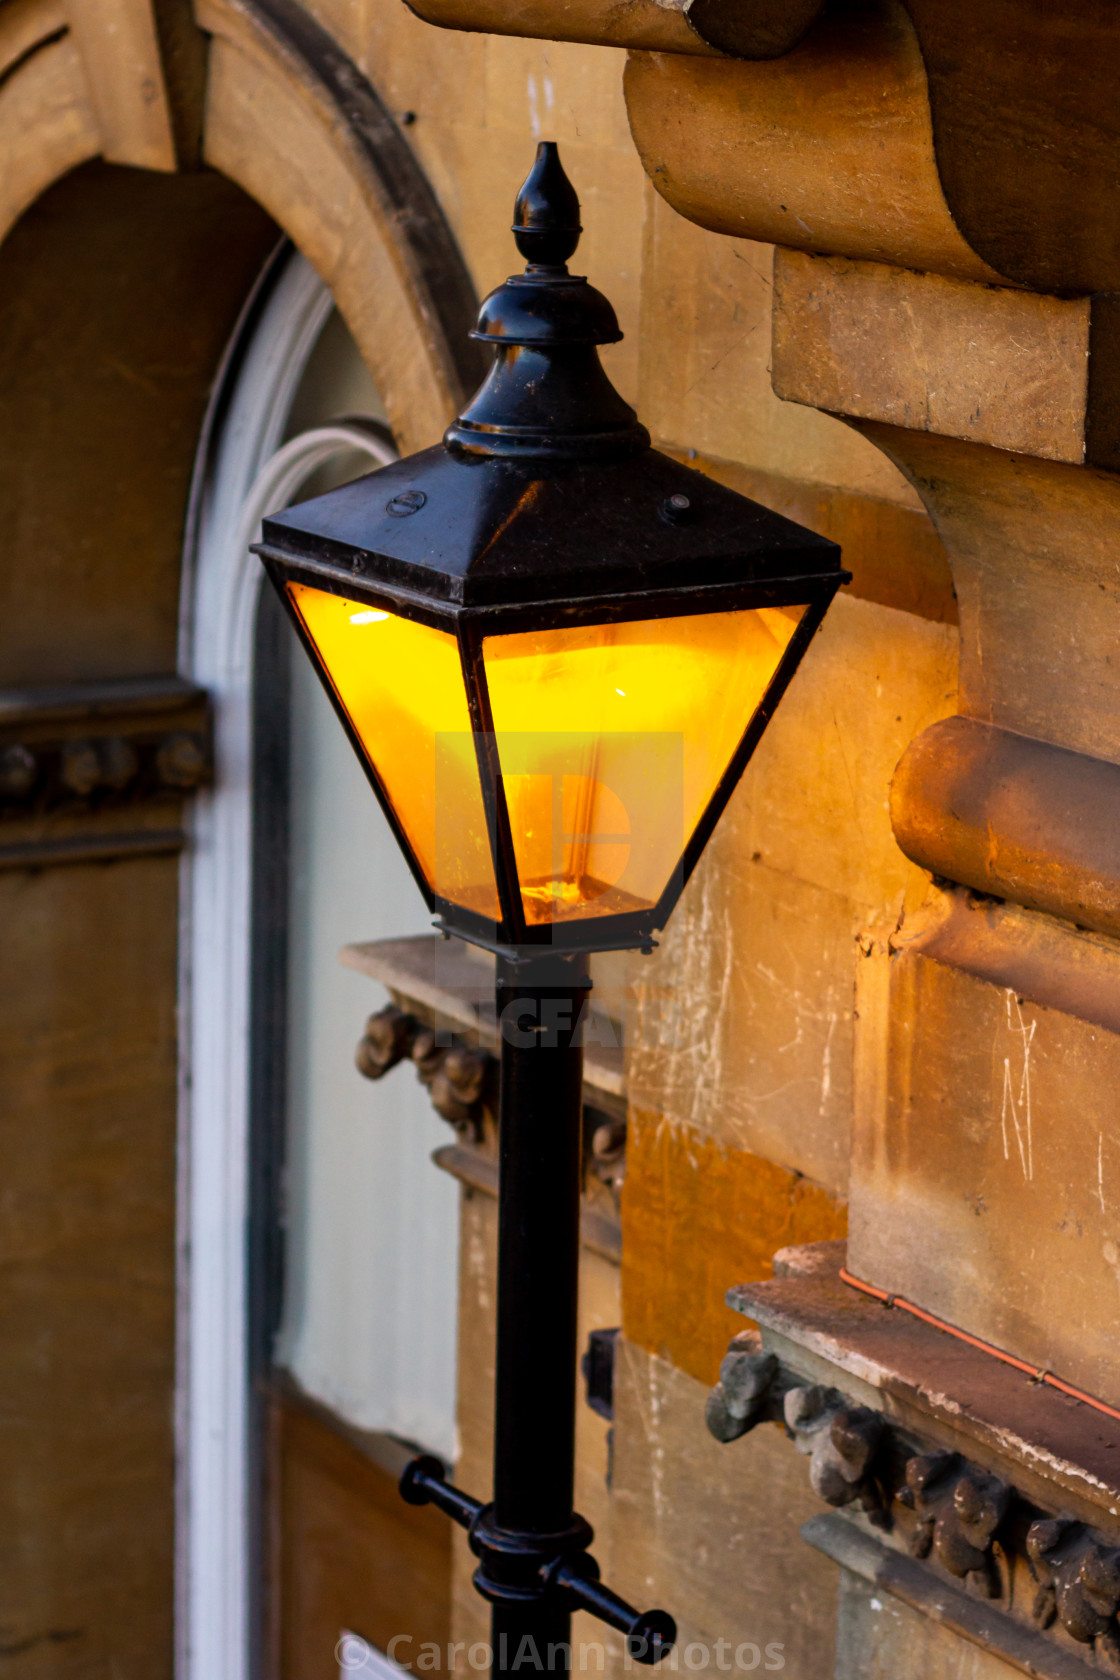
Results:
1017 818
759 29
99 770
359 206
742 1396
441 1018
916 1586
1079 1584
1036 956
652 25
841 1441
385 1041
985 135
461 1079
956 1471
48 125
828 149
938 1507
958 1509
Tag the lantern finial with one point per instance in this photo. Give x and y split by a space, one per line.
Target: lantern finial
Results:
546 396
546 216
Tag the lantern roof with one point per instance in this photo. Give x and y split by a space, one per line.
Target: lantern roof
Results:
546 487
474 531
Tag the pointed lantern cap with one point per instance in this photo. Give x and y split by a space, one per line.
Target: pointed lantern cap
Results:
553 646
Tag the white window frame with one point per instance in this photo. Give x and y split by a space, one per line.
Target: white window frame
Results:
243 471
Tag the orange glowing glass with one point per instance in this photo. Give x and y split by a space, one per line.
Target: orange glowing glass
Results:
400 685
612 740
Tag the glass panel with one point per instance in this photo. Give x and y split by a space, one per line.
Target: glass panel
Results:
372 1226
367 1227
402 687
613 739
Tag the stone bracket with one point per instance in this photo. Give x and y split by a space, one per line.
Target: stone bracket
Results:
99 770
441 1018
947 1518
916 1585
987 1485
462 1080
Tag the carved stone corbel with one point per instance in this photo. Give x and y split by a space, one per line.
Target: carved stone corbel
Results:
606 1153
457 1077
1079 1584
741 1398
99 769
460 1078
962 1452
959 1509
841 1442
386 1040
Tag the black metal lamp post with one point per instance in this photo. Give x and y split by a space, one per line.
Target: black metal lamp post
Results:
554 650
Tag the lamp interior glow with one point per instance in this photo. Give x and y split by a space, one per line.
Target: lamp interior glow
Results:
611 741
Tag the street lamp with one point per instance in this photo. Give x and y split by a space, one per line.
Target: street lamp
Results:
554 650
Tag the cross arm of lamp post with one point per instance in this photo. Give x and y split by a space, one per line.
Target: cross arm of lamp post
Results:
537 1569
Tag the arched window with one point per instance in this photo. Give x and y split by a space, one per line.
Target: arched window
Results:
319 1243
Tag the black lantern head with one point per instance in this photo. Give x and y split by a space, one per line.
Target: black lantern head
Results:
554 649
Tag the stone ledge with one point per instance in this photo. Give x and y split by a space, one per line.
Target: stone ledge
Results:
447 988
1058 1451
915 1585
457 985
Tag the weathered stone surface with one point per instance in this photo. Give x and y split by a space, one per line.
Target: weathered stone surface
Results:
878 1638
705 376
1039 957
737 1569
941 1390
699 1216
743 1018
814 801
985 1170
986 363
